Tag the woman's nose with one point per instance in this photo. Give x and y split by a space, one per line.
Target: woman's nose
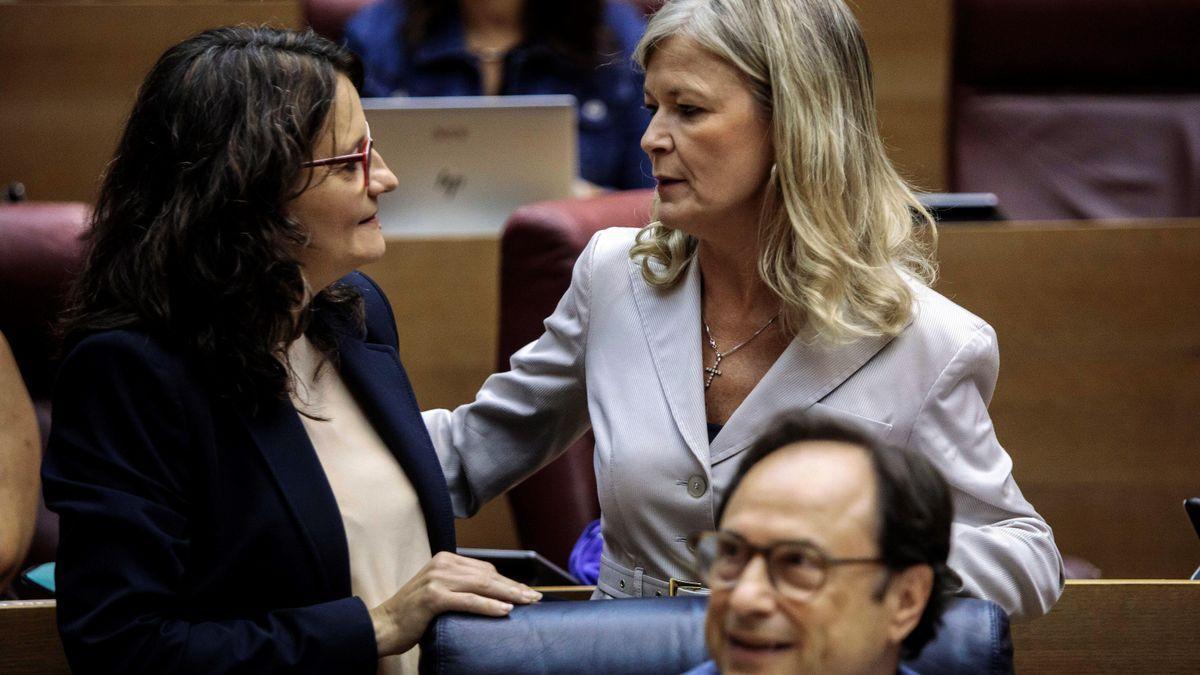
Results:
382 178
656 139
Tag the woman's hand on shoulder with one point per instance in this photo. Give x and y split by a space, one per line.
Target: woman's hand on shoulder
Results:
447 583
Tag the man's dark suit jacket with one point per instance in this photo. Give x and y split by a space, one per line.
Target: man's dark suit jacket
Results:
197 538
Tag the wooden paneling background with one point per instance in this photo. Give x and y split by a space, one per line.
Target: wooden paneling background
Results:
70 74
909 44
1099 394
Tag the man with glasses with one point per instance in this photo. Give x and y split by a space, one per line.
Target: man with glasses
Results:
830 557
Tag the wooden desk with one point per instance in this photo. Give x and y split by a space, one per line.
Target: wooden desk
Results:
566 592
1118 626
1127 626
29 640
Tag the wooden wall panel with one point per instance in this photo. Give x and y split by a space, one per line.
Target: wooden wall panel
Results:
71 72
910 47
1099 388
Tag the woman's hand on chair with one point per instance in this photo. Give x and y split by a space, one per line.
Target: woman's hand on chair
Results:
447 583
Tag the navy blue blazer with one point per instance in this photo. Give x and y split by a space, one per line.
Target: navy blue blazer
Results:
196 538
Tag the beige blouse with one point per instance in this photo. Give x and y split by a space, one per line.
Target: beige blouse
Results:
385 527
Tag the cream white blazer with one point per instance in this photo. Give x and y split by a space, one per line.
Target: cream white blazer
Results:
625 358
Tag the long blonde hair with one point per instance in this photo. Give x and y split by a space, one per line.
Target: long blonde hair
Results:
840 228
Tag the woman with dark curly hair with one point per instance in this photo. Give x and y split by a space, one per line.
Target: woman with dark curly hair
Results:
241 472
491 47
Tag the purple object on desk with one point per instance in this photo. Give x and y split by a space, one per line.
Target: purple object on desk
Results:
584 563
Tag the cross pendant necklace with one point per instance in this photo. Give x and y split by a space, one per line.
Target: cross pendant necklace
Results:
715 369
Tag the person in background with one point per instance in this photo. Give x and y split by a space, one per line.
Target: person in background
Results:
242 477
514 47
20 456
786 269
844 572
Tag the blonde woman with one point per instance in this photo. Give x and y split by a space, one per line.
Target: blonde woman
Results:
785 272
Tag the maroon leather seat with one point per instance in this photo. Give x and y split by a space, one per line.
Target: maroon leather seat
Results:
1078 108
537 253
39 253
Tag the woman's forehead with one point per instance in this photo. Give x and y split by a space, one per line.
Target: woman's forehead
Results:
679 63
347 125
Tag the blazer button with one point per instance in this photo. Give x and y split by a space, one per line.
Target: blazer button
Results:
697 486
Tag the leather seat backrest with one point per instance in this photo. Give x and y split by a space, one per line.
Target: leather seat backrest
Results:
664 635
538 249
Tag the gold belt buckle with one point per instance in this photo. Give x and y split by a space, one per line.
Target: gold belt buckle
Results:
674 585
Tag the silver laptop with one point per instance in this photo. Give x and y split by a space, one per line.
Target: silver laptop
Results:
465 163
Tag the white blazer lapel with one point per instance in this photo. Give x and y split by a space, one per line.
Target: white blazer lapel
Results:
803 375
670 321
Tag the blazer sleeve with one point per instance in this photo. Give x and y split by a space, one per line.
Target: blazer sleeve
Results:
1003 550
523 418
117 472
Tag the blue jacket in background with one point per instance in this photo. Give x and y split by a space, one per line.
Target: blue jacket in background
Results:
611 115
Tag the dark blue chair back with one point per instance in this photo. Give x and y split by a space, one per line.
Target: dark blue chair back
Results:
663 635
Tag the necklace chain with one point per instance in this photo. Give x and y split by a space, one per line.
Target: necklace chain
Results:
715 369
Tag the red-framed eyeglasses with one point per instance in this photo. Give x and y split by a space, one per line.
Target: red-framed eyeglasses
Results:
365 149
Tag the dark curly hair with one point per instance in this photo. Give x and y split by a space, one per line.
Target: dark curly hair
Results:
912 501
574 29
189 240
